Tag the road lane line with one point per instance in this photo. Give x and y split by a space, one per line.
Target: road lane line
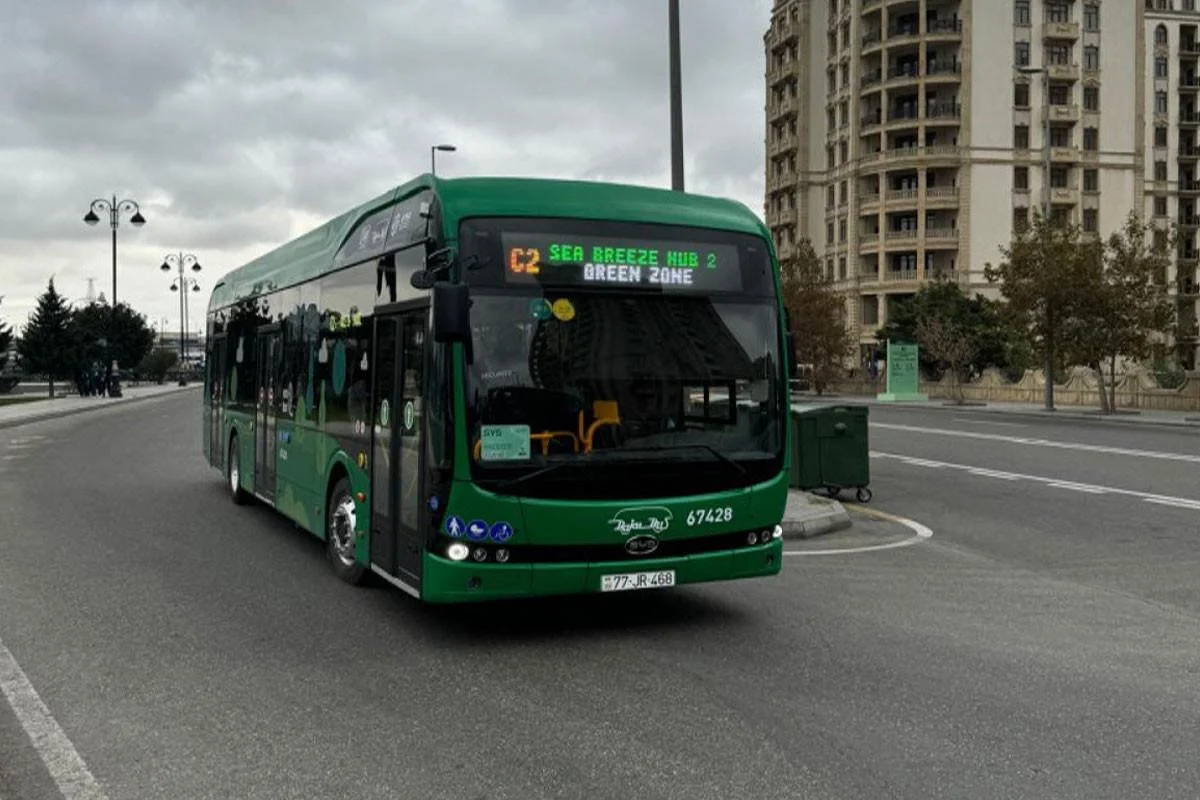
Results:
920 534
1091 488
62 760
997 437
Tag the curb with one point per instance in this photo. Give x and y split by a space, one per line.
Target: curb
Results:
1188 423
16 423
837 520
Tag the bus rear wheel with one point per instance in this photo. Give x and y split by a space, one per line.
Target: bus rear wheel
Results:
341 537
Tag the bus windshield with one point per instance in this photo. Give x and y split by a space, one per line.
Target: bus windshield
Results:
647 354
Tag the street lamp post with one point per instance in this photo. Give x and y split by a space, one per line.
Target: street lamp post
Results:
181 262
1048 365
433 151
114 208
676 96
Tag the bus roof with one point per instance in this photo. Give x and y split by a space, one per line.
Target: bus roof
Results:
312 254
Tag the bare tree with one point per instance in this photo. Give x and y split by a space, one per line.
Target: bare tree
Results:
818 317
948 342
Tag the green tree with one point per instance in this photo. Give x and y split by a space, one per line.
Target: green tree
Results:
977 319
1125 305
46 346
6 338
100 334
157 363
820 336
1044 278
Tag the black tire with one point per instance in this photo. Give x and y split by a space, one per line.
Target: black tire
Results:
340 523
233 473
863 495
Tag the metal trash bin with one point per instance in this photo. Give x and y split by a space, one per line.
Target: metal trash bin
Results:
830 449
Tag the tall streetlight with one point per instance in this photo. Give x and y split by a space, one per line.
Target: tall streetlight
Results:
676 97
1048 366
114 208
182 261
433 151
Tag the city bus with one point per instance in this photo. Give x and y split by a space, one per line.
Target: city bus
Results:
487 388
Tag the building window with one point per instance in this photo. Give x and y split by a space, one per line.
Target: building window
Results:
1160 170
1091 17
842 230
1091 180
1091 98
1160 136
842 268
1021 137
842 193
1160 35
1021 95
1091 58
1160 206
1021 178
1060 137
1160 102
1021 13
829 233
1058 12
1091 220
1160 67
1091 139
1022 54
1020 219
1060 94
1058 177
1058 54
829 197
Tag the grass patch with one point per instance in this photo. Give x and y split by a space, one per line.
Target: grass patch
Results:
15 400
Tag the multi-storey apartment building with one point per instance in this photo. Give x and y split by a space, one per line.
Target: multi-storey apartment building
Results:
907 138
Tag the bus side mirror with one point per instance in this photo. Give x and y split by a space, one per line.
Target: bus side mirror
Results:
451 312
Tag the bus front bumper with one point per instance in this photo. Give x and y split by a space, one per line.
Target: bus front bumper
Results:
445 581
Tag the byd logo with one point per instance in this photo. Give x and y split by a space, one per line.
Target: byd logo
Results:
643 519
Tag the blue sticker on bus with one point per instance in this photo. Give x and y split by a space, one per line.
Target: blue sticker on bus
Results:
477 530
455 527
501 532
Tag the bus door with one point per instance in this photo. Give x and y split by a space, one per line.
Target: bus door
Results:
398 444
216 402
265 446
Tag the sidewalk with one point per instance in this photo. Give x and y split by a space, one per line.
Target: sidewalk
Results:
14 414
1123 416
808 515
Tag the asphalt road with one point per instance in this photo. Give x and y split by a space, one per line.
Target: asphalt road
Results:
1043 643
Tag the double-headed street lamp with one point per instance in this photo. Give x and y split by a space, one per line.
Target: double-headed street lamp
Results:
114 208
433 151
182 262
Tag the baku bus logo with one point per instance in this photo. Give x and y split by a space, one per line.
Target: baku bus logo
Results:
643 519
641 545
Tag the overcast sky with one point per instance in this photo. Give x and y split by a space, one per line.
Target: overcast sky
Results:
238 124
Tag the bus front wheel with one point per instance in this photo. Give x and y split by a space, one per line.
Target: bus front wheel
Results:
233 472
341 537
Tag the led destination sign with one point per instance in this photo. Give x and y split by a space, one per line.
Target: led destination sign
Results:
636 263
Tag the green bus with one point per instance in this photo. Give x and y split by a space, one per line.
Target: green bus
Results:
486 388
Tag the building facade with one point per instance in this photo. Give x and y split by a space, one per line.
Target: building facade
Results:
907 138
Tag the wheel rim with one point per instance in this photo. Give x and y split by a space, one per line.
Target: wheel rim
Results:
341 529
235 474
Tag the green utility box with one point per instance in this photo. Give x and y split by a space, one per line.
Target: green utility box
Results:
830 449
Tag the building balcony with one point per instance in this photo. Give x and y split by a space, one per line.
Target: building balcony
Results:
1069 155
910 156
872 40
1061 30
1064 195
902 197
784 143
1068 113
1189 49
945 70
1189 224
778 73
943 29
1189 187
902 75
1189 83
905 237
783 108
1187 154
901 35
1063 72
899 275
780 182
868 5
873 78
1191 120
1186 287
943 112
782 32
941 196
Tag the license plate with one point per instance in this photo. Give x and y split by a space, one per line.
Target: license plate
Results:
629 581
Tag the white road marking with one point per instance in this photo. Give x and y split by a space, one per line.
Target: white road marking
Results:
990 422
62 760
996 437
920 534
1059 483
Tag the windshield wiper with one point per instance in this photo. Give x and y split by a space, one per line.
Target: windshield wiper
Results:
659 448
537 473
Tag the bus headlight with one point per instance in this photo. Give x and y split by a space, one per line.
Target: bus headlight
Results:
479 554
777 533
457 551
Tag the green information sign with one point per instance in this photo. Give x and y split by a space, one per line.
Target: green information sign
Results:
903 374
504 443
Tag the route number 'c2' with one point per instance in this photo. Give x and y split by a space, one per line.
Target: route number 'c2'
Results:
701 516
